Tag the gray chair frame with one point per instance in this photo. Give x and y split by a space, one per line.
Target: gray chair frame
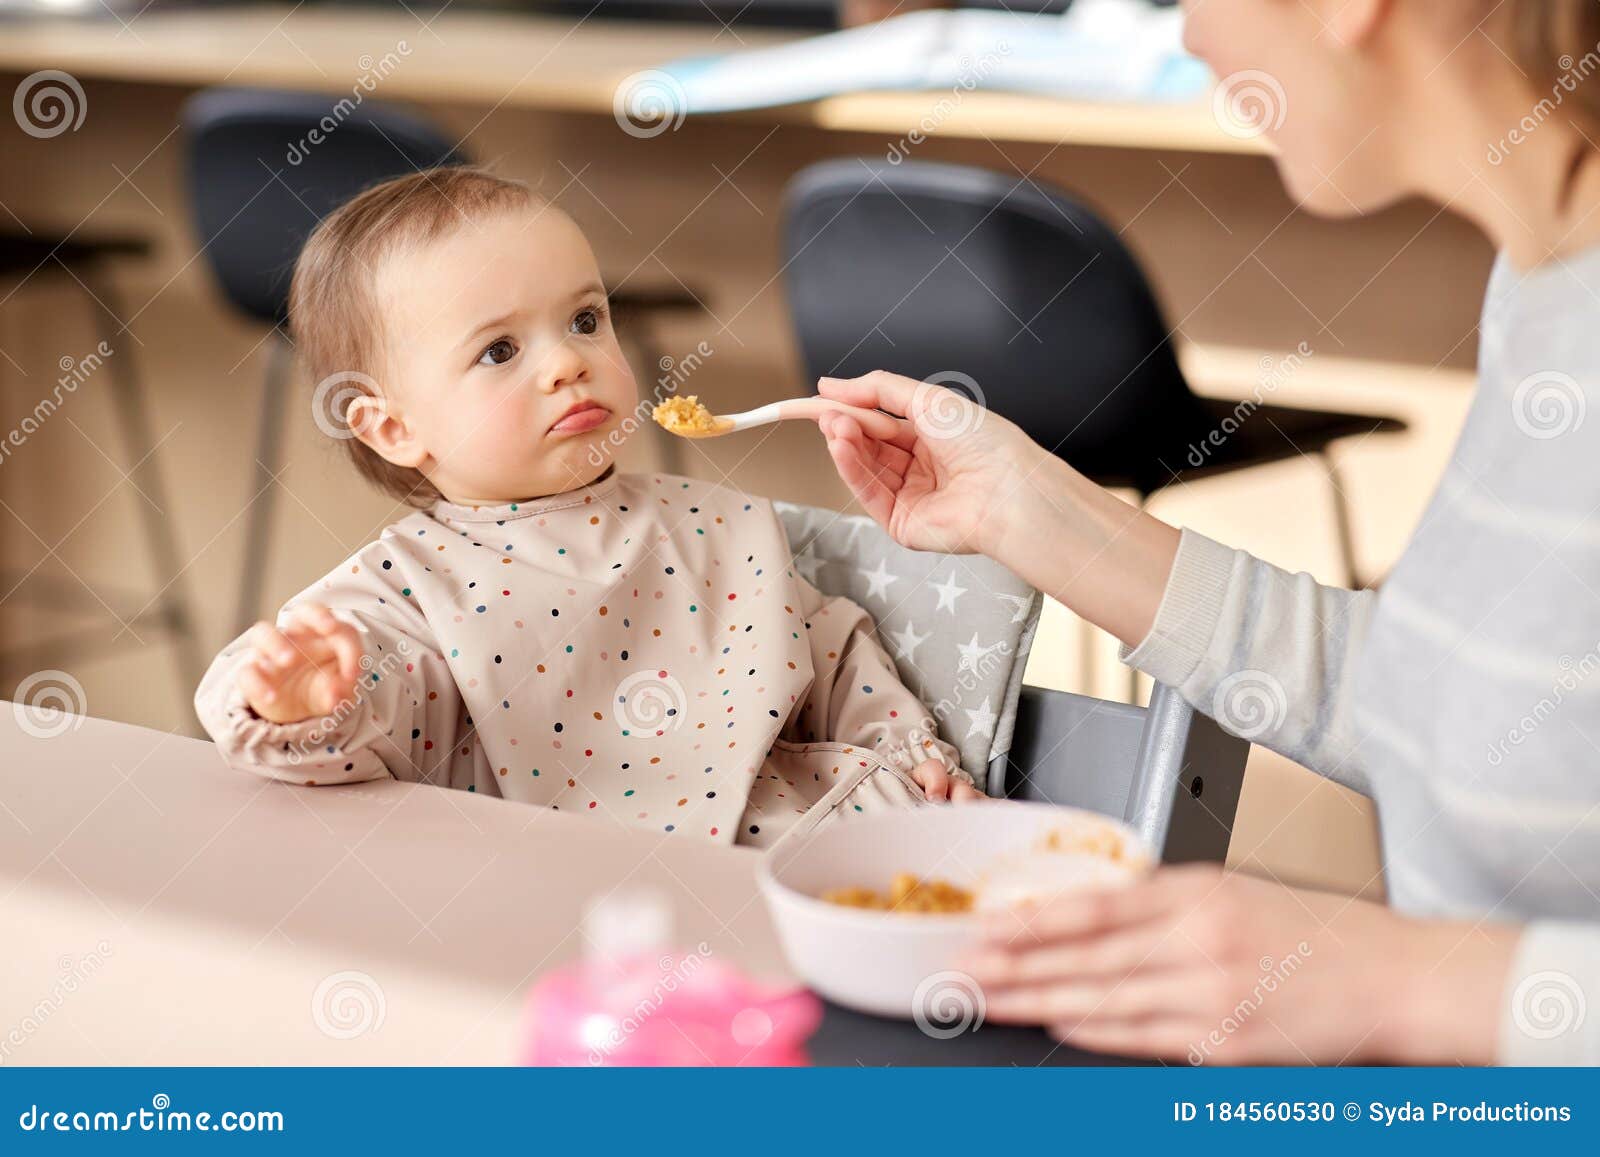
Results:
1167 770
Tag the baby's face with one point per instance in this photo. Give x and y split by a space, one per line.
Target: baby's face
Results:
501 359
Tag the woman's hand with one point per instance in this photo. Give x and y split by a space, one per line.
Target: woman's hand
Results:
302 670
1205 965
959 478
946 482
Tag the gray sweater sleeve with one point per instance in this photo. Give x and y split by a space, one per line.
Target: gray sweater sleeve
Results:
1269 655
1266 653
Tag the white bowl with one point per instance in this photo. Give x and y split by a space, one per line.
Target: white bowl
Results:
906 964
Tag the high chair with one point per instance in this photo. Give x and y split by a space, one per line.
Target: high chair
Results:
1166 769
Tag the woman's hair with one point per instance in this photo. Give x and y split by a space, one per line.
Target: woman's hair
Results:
1556 43
334 317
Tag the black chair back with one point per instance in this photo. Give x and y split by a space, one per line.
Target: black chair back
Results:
265 166
944 272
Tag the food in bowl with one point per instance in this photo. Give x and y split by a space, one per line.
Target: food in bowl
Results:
975 848
1058 861
684 415
907 893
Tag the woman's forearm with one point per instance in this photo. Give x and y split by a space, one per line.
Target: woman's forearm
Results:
1105 559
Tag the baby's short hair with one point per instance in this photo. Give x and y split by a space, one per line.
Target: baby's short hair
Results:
333 313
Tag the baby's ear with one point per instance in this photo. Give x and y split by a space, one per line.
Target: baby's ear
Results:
391 437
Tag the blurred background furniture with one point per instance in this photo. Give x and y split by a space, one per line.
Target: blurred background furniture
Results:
1020 297
86 260
263 170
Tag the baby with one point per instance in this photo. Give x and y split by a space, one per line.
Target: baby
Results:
541 628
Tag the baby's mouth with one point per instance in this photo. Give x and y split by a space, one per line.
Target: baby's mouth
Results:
583 416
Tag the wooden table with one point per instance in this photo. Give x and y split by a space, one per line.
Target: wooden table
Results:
542 62
160 908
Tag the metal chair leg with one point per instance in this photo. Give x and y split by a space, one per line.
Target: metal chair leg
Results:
1343 527
264 487
155 510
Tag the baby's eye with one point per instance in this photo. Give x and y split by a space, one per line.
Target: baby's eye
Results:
586 321
498 353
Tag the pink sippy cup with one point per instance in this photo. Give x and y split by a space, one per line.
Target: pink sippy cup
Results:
629 1001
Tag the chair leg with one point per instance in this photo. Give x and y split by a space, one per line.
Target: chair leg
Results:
1141 498
264 487
1343 527
174 607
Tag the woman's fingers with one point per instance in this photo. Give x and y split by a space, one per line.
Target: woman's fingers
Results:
1162 994
879 390
1147 946
1084 914
867 480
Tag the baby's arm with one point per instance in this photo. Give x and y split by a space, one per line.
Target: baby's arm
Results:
348 686
857 697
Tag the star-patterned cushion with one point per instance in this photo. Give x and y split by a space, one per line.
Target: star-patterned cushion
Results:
958 626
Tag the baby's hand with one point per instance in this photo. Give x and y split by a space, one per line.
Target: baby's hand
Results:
932 776
302 670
